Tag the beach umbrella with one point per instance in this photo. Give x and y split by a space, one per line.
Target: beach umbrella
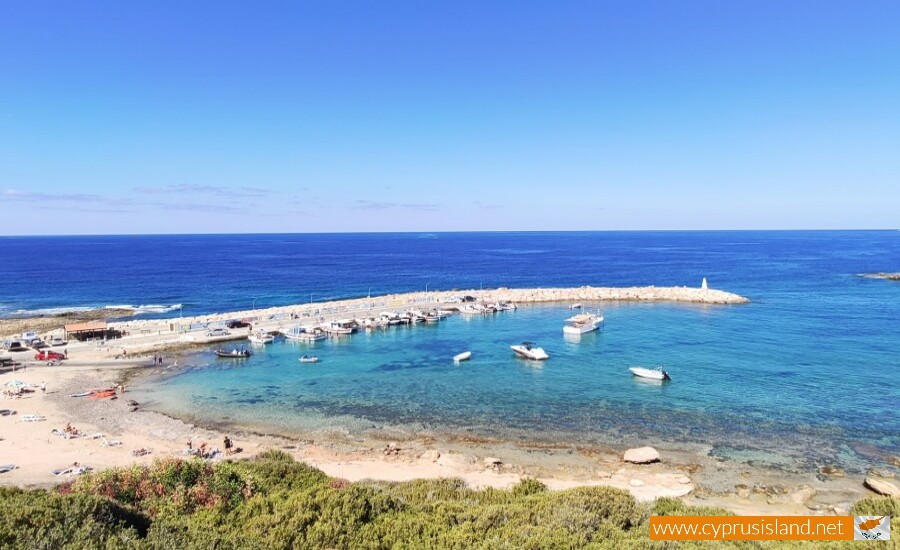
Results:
15 384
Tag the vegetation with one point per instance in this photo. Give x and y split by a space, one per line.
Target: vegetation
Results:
273 502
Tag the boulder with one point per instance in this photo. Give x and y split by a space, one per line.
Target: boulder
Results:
802 494
641 455
882 487
636 483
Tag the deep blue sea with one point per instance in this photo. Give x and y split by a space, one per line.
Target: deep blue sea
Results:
810 368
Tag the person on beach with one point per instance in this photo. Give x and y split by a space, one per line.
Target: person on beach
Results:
43 387
190 445
66 352
227 446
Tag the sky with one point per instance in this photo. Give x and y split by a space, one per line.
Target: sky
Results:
323 116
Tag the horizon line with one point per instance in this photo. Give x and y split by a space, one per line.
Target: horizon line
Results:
426 232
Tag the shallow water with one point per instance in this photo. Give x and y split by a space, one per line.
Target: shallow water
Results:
725 392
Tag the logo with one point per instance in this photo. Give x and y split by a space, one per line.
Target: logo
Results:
871 527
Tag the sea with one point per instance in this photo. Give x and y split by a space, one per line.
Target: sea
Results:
807 373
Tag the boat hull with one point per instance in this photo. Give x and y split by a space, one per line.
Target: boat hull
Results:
650 374
568 329
464 356
533 354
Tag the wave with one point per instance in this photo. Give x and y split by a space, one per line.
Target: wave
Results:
50 311
149 308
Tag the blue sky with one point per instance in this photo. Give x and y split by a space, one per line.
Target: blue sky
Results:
170 117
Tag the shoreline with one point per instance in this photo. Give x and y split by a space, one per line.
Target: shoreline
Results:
480 462
687 471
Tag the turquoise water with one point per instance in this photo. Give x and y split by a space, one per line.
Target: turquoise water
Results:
726 390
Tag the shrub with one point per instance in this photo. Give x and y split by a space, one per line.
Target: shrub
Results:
528 486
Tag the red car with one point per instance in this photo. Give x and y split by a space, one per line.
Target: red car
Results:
49 355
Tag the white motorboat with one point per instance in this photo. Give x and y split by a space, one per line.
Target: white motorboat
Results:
309 359
653 374
528 350
583 322
464 356
261 338
575 306
471 310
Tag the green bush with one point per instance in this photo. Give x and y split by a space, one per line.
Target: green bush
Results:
273 502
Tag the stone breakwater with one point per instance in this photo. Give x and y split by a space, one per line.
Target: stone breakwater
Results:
451 298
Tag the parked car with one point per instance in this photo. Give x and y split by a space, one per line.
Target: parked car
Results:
37 344
237 324
218 332
13 345
49 355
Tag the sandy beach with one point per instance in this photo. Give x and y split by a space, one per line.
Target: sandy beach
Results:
481 463
690 473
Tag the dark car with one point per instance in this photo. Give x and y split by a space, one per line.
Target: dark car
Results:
237 324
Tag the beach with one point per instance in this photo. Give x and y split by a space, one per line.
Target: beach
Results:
685 472
479 462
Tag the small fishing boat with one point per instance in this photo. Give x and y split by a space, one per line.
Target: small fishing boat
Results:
309 359
294 333
235 353
527 350
261 338
313 336
653 374
464 356
575 306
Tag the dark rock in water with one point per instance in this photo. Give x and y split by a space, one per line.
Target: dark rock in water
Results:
885 276
832 471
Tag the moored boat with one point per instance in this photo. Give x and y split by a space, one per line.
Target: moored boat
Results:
583 322
342 326
261 338
464 356
234 354
528 350
309 359
653 374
